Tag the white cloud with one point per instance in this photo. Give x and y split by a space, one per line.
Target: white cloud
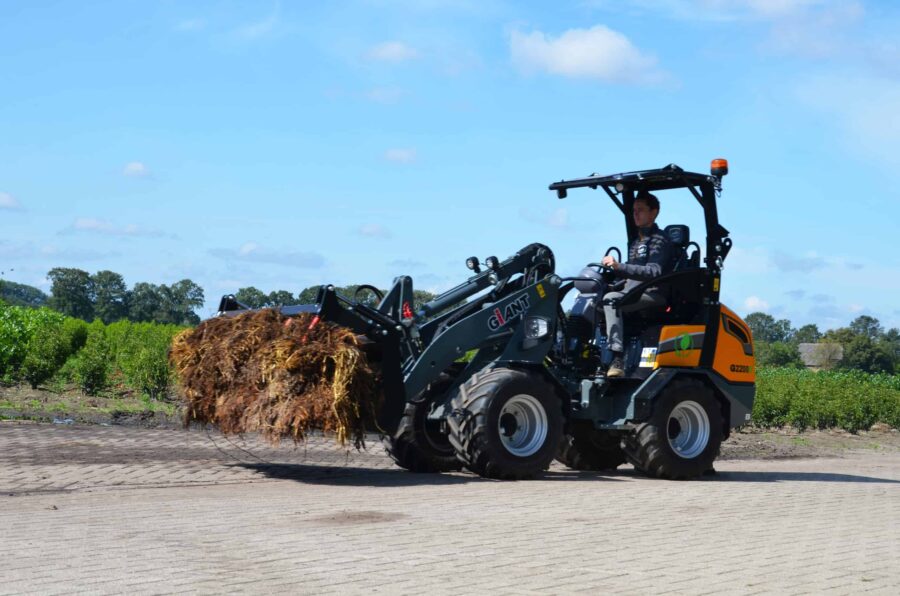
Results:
7 201
96 225
248 248
190 25
392 51
374 230
815 34
102 226
764 261
400 155
755 303
804 28
259 29
559 219
28 251
770 8
136 169
596 53
251 252
80 254
718 10
798 263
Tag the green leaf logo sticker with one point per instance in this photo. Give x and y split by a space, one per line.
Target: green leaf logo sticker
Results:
683 344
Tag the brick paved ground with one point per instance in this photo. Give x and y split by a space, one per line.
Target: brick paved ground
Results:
113 510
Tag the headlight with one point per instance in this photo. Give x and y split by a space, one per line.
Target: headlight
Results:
536 327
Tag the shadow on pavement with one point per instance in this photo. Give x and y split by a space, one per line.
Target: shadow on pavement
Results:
347 476
354 476
799 477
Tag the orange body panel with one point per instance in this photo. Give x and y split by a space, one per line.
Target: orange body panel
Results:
679 345
734 358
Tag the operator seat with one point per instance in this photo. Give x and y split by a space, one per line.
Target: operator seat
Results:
680 237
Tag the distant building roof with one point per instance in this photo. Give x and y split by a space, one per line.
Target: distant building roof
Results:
821 354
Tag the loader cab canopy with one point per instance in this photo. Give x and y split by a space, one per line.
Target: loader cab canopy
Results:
623 190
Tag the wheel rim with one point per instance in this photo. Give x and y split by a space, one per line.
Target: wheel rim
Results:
522 425
688 429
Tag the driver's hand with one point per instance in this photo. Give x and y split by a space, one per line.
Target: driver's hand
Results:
609 261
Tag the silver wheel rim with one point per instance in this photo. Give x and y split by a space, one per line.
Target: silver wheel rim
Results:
522 425
688 429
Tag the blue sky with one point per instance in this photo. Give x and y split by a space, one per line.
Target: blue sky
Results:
288 144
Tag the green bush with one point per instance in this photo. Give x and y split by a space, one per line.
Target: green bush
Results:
141 352
93 365
67 372
852 400
74 333
17 326
45 353
36 344
50 345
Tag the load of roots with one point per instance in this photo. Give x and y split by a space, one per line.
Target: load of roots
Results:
280 376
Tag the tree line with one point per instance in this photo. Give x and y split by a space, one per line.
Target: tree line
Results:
105 296
255 298
866 345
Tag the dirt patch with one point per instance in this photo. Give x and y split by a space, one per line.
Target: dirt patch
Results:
67 405
781 443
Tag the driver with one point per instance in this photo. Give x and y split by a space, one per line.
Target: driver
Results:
649 256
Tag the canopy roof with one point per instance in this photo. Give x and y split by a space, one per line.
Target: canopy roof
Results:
671 176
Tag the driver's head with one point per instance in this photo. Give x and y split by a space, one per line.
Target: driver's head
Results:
645 210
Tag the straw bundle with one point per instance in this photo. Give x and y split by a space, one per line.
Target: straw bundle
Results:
280 376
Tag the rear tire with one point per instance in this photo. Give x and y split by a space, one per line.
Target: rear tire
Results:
681 439
419 445
506 423
585 448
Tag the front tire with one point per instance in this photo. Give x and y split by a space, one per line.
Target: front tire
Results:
506 423
419 444
681 439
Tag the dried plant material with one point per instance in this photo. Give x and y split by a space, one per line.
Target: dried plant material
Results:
280 376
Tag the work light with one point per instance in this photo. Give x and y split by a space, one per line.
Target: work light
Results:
536 327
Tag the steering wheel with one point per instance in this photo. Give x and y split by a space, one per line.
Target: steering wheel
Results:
606 271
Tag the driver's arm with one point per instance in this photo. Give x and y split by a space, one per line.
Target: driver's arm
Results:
659 254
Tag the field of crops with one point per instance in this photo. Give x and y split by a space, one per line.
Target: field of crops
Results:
42 347
851 400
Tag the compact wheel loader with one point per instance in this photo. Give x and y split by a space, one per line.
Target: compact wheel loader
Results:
495 376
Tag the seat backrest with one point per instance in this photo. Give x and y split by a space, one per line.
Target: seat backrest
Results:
680 236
